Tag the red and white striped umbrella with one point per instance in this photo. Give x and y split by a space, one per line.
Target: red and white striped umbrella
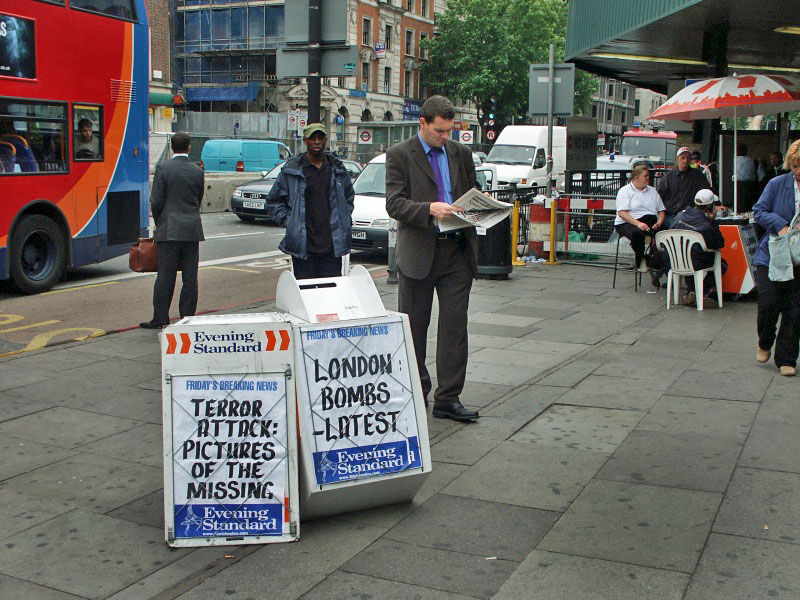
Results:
734 96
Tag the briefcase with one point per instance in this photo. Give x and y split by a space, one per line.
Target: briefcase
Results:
143 257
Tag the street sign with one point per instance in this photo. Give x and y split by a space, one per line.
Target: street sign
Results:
466 137
365 137
490 135
563 89
380 50
291 120
581 143
302 121
491 122
334 21
336 62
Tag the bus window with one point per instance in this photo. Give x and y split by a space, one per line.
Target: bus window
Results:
33 137
113 8
87 132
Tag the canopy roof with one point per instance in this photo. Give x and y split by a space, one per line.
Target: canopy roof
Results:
648 42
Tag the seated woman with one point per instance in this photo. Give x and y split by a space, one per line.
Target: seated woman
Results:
640 212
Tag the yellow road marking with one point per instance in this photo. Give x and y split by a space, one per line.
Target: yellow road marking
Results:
82 287
8 319
40 324
40 341
231 269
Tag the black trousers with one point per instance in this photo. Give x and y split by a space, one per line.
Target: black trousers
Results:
174 257
636 235
451 277
317 265
709 281
779 299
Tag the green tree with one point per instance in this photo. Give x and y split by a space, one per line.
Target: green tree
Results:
484 49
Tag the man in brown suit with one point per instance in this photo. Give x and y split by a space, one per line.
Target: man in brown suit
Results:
424 176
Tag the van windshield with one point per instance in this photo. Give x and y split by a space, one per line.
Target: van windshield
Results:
511 155
371 181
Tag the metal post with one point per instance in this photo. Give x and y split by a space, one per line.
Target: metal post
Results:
392 278
553 205
515 226
314 59
551 73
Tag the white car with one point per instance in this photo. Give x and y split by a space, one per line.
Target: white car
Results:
370 220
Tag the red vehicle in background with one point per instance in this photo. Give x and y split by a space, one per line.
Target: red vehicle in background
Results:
73 135
658 146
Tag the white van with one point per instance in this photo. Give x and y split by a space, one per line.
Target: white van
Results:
520 152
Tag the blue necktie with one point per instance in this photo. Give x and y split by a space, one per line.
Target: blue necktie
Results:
433 157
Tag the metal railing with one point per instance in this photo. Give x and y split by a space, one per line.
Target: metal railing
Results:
585 232
602 184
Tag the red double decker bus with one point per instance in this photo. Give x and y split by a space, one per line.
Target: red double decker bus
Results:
73 135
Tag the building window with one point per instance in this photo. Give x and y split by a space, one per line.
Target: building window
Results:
364 77
407 84
610 90
624 94
387 80
622 117
366 32
609 115
341 82
409 42
388 40
637 105
423 52
424 8
594 111
410 5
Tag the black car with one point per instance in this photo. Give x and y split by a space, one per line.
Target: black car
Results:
248 201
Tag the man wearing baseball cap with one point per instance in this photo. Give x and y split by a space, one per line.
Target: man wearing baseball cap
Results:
313 198
700 217
679 186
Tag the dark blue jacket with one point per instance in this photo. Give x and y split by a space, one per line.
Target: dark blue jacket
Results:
287 207
774 211
695 219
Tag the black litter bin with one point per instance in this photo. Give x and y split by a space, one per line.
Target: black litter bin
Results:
494 251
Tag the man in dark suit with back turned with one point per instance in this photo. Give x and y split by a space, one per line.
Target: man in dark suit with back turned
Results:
175 202
424 175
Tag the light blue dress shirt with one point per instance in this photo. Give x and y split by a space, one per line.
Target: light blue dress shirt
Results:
443 168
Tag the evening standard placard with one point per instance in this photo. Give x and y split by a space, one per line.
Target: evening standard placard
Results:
229 455
357 401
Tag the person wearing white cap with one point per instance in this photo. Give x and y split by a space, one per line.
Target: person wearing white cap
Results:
700 217
679 186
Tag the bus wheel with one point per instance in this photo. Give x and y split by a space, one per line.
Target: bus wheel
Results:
38 254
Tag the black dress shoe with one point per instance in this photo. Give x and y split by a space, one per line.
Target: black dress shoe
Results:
455 411
152 325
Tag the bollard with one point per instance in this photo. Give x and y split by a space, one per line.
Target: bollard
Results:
392 278
515 261
553 205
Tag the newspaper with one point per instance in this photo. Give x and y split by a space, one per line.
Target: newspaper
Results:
479 211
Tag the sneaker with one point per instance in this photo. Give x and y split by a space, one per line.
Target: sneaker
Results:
689 299
762 356
787 371
709 303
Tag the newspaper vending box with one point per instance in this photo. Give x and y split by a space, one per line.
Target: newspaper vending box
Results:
230 431
363 427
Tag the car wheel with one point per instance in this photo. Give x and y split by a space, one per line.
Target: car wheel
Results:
38 254
247 218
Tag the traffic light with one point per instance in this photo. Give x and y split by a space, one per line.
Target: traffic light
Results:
492 107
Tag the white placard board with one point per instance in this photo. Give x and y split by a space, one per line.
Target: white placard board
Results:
356 401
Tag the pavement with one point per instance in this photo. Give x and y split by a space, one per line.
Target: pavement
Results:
625 451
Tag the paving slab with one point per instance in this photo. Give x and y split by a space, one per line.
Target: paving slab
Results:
643 525
489 318
19 512
580 428
681 460
128 402
572 373
507 331
477 340
16 406
540 302
437 569
718 418
657 374
52 360
471 441
746 387
142 444
11 587
146 510
611 392
287 571
14 376
481 372
385 517
64 427
571 333
536 311
513 473
527 361
737 568
97 555
122 346
550 576
20 456
772 445
95 483
761 504
527 402
478 395
343 585
496 529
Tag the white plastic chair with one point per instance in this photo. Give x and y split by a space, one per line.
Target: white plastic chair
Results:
678 244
